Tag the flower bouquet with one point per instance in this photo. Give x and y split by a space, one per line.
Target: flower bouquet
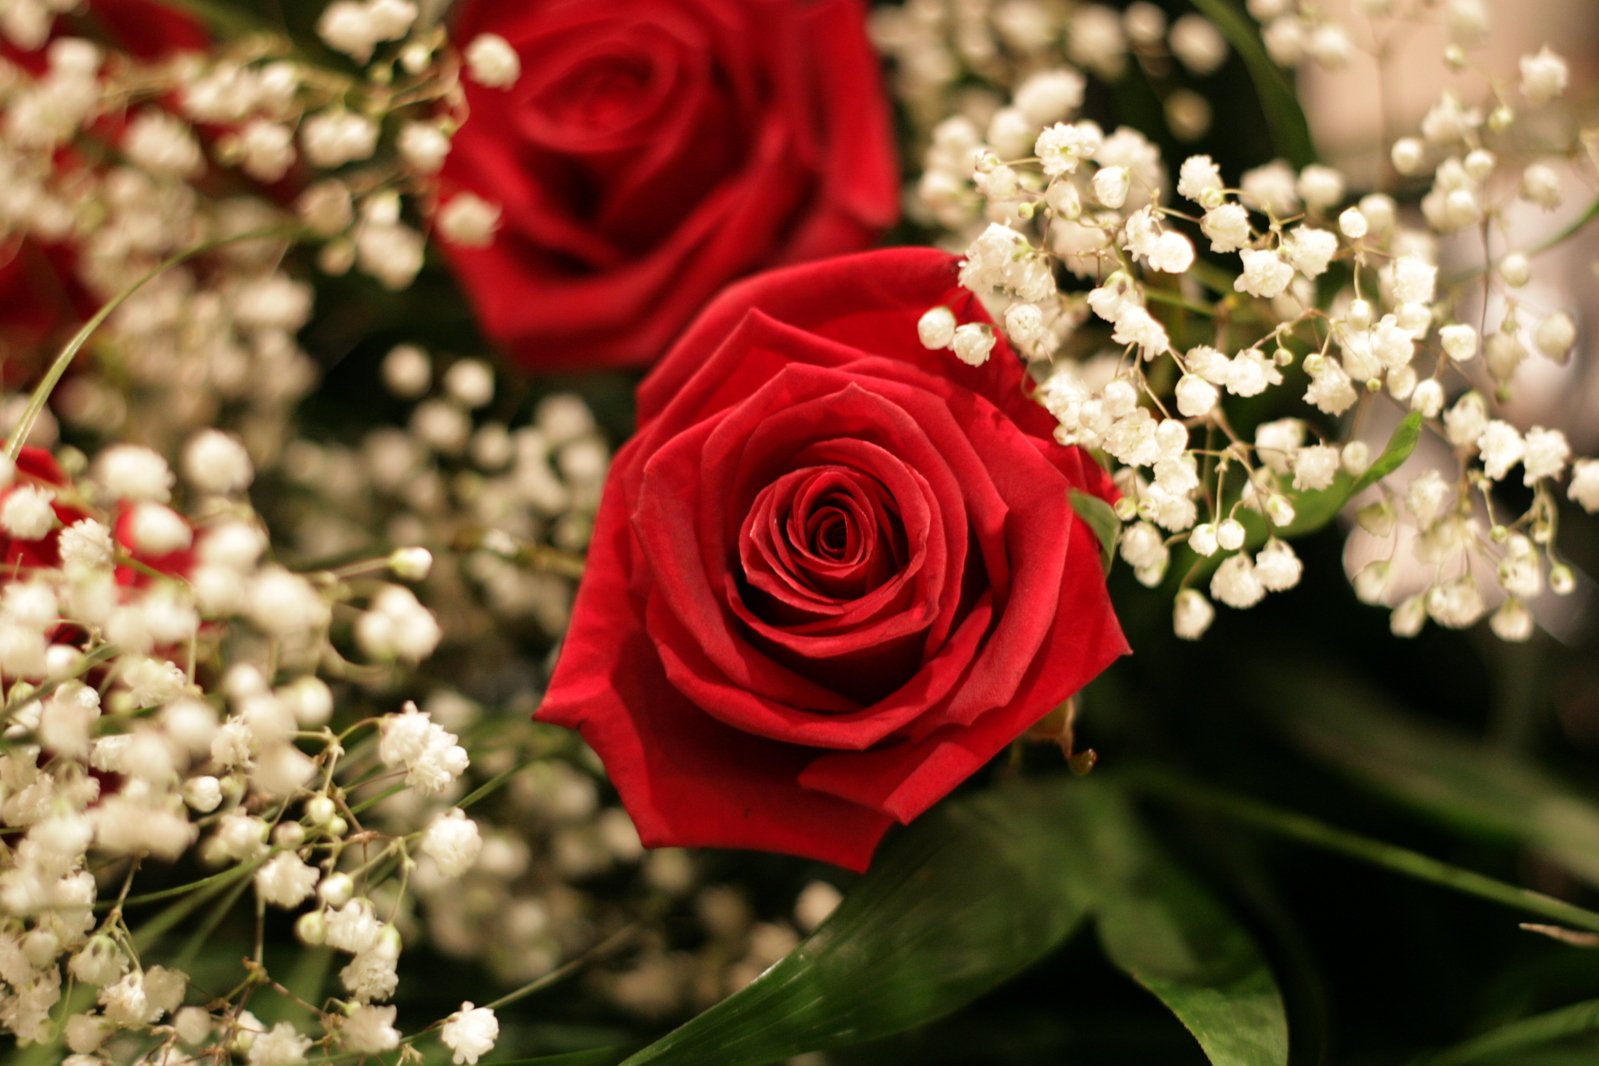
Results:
577 533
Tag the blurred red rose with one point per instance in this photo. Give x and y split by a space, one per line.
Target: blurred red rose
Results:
833 574
652 151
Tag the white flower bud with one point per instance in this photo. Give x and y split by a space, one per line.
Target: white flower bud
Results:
1555 336
410 564
936 328
1352 223
491 61
1407 154
469 220
1203 539
973 343
1111 185
1515 270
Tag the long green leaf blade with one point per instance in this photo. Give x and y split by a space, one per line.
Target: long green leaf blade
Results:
1441 773
1167 932
1290 132
1511 1043
967 897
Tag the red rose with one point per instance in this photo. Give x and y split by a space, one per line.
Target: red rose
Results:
833 573
654 150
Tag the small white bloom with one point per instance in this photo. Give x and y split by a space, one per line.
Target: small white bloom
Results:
1321 187
1541 185
1171 253
1512 622
1278 567
266 149
1310 250
1049 96
1353 224
369 1030
451 840
491 61
1543 76
285 881
162 144
1111 185
1265 274
1137 326
470 1033
1584 487
936 328
1197 44
214 461
1459 341
1195 396
27 514
1414 280
1545 454
131 472
1024 323
1192 615
1455 605
469 220
1061 147
156 529
1315 467
1227 226
1502 448
423 146
1199 180
1250 373
337 136
1236 584
282 1045
973 343
1555 336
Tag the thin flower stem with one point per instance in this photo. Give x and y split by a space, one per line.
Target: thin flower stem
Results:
1390 857
566 969
41 394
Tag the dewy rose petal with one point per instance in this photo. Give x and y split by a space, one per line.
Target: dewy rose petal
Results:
650 152
833 574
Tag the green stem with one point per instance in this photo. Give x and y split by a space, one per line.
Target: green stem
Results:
1540 1029
41 394
567 968
492 785
1576 227
1390 857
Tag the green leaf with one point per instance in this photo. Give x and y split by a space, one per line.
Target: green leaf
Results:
1290 132
1441 773
1165 931
1510 1043
1101 518
974 893
1312 510
970 895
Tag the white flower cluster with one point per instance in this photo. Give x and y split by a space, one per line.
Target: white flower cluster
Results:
1015 49
1144 319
